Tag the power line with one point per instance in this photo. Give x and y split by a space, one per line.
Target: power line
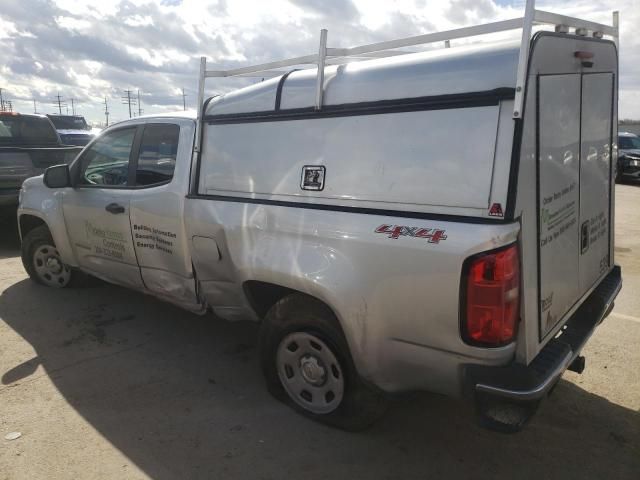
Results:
58 101
129 100
139 104
106 111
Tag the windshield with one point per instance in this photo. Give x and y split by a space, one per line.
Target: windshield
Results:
21 130
69 122
628 143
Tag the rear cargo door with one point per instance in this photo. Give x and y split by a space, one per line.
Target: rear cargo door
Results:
574 178
595 177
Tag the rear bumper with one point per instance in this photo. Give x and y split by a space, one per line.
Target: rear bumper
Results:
530 383
626 170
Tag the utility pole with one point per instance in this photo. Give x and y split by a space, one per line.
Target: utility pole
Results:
106 111
58 101
128 100
8 105
1 101
184 100
139 104
35 110
73 106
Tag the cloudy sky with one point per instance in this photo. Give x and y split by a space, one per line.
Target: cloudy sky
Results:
91 49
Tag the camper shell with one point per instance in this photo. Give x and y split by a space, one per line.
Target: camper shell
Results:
437 220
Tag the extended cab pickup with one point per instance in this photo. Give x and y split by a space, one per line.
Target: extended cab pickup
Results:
28 145
341 207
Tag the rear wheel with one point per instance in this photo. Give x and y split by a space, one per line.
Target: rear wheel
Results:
42 260
307 364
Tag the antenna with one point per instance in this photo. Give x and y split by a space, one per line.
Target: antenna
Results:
184 100
35 109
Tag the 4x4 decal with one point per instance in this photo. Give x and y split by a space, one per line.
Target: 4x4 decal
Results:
433 235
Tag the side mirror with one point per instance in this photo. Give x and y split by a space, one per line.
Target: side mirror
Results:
57 176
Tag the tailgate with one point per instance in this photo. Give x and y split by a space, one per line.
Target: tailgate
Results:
575 132
15 167
20 163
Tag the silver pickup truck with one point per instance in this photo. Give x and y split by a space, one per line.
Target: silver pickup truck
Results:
436 221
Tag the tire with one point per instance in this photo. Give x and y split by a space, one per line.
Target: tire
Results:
307 365
42 261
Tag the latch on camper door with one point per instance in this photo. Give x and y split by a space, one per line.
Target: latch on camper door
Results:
312 178
584 237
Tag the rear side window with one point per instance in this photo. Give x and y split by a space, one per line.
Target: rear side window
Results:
629 143
69 122
158 150
20 130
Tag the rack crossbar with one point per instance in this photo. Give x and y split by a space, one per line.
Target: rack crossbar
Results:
548 18
457 33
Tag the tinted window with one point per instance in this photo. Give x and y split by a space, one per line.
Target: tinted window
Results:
157 158
628 143
69 122
21 130
106 162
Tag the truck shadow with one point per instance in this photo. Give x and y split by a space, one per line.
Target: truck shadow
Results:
182 397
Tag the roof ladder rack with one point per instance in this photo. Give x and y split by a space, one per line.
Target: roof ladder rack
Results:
336 56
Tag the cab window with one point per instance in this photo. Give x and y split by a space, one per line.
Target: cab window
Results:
106 162
157 157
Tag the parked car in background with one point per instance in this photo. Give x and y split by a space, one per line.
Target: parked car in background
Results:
73 129
28 145
628 156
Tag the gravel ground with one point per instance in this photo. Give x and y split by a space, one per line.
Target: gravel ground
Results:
106 383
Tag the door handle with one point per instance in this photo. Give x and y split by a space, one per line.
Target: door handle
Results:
114 208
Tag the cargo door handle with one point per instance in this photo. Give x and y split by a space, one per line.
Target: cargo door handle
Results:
114 208
584 237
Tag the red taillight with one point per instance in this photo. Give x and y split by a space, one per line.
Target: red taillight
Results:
491 299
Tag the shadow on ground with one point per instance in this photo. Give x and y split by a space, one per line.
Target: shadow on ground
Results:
182 397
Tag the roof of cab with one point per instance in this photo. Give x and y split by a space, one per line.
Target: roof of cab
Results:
18 114
444 71
626 134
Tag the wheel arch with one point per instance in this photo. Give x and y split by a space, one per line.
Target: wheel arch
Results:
28 219
28 222
263 295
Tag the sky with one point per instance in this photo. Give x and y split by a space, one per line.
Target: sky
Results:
91 50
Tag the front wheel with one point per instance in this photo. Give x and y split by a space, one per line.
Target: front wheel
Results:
307 364
42 260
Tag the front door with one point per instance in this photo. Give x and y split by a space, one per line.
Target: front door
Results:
96 211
